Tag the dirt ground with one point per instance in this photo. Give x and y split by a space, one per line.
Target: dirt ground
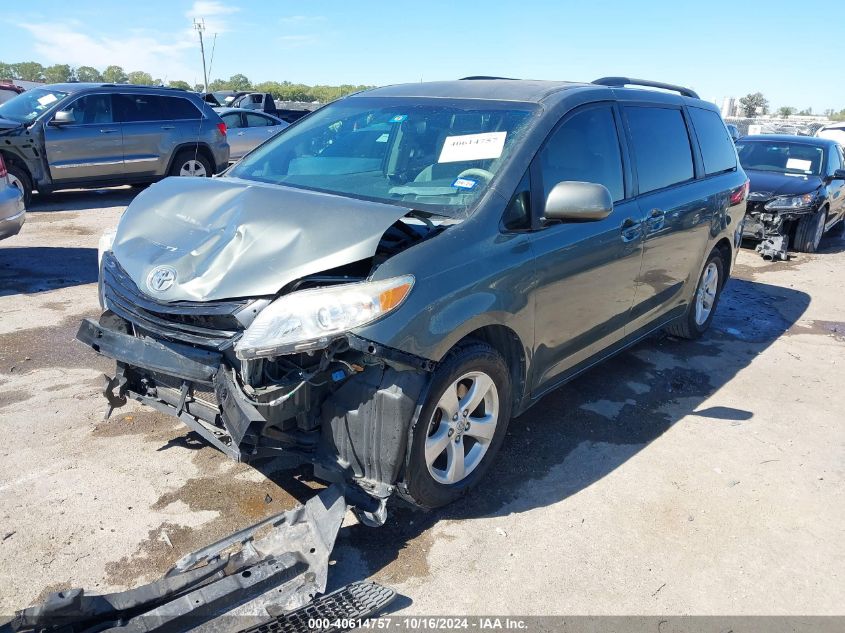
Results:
678 478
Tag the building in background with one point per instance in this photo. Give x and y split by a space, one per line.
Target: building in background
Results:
730 107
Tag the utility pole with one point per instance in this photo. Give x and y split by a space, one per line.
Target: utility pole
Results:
199 26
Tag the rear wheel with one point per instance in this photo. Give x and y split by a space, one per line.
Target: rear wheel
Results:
701 309
809 231
192 164
461 426
19 178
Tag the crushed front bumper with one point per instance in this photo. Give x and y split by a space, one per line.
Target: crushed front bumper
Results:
356 431
771 229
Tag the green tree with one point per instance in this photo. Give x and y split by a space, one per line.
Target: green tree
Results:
114 75
177 83
140 78
806 112
58 73
7 71
239 82
88 73
217 84
785 111
753 104
29 71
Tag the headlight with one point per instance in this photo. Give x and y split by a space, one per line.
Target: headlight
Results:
786 203
105 244
310 319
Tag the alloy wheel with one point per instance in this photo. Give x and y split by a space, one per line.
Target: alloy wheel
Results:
193 168
705 296
462 427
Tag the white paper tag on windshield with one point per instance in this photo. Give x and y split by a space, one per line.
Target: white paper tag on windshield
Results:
472 147
47 99
798 163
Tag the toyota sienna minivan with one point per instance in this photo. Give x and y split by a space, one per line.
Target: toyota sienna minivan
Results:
380 288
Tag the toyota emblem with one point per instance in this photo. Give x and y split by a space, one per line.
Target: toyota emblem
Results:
161 279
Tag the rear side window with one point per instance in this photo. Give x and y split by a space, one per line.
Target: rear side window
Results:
661 146
256 120
232 120
584 148
717 148
141 107
178 108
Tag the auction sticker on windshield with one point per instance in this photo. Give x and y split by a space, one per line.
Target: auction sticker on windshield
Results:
472 147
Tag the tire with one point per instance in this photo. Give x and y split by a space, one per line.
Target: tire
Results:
20 178
189 160
808 232
426 480
698 317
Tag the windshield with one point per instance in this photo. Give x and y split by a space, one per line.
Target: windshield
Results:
28 105
432 154
785 158
223 97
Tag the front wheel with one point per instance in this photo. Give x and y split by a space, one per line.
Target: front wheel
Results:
18 177
461 426
809 231
701 309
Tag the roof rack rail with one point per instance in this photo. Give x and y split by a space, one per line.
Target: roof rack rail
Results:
628 81
476 77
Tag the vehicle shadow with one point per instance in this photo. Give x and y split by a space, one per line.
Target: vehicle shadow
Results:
833 242
32 269
584 430
83 199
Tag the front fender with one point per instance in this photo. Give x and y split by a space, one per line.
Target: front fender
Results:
458 290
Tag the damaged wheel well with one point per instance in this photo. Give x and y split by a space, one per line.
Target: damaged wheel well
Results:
724 247
507 343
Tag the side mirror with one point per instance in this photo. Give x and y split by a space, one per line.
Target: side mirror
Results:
571 200
63 117
839 174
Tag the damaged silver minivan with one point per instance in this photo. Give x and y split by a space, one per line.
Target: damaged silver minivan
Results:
383 285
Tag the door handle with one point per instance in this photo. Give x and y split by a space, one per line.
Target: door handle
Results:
108 131
240 134
167 127
656 219
631 229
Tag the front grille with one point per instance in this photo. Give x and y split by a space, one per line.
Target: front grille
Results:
209 324
198 392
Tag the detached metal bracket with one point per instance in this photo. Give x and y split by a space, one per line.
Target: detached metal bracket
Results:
259 575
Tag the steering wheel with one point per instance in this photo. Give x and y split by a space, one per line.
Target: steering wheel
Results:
477 172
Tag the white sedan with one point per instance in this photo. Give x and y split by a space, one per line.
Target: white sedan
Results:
247 129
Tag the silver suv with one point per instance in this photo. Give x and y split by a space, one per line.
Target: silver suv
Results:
72 135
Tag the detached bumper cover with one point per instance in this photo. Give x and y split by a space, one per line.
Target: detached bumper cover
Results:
242 582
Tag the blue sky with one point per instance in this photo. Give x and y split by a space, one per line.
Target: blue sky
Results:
718 47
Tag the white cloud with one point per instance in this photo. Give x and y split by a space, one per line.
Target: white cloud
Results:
163 55
301 19
213 13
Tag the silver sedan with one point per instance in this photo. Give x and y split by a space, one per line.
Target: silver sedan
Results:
247 129
12 212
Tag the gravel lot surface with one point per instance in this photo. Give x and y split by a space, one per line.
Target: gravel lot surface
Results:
678 478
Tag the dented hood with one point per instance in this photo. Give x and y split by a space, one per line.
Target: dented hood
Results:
224 238
768 184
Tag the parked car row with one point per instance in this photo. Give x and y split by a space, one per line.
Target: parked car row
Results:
379 289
